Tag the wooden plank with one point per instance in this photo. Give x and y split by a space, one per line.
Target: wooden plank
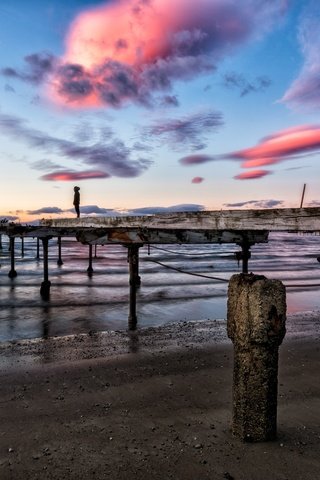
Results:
285 220
102 236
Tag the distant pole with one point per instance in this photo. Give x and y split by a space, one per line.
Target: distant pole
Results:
302 197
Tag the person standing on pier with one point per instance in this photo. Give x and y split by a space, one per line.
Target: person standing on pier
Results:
76 200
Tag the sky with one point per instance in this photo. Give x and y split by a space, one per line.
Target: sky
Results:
154 106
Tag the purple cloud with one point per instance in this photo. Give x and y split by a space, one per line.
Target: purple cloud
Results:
46 210
95 210
169 101
191 131
38 67
196 159
197 180
236 81
113 158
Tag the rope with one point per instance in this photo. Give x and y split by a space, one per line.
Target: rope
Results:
181 253
226 280
188 273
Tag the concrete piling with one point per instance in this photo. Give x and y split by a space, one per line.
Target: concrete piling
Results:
256 326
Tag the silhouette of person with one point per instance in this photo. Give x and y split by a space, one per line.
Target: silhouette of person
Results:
76 200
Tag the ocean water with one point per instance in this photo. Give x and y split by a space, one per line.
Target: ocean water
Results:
178 283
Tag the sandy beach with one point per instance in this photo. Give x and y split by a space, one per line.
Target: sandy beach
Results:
155 403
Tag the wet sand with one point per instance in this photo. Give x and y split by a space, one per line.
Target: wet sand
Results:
152 404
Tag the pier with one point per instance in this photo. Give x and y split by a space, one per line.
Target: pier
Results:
256 305
244 228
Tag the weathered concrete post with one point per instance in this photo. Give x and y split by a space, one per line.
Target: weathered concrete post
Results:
256 326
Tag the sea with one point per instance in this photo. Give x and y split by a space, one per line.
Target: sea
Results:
179 283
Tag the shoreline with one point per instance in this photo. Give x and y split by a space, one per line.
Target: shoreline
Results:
159 407
187 334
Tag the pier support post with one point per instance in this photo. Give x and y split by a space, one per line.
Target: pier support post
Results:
134 282
22 247
59 261
12 273
0 241
45 285
38 249
244 255
90 269
256 326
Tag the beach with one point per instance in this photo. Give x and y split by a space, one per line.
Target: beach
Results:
154 403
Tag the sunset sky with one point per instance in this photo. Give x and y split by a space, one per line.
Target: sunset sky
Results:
158 105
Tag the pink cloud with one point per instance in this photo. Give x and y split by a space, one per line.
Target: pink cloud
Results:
128 49
69 175
197 180
252 174
281 146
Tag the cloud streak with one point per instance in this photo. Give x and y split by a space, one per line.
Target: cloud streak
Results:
293 143
255 204
46 210
71 175
184 207
304 92
252 174
108 159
